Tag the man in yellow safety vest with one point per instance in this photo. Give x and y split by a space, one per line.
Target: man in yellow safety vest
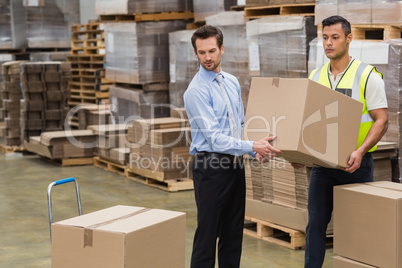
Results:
363 83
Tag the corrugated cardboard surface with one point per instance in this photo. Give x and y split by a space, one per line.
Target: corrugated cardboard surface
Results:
293 218
368 223
341 262
314 125
120 236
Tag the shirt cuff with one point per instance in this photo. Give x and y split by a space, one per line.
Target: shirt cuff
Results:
248 147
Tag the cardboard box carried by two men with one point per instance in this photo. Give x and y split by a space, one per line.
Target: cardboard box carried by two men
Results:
314 125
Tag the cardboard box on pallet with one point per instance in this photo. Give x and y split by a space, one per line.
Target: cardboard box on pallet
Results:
314 125
367 223
120 236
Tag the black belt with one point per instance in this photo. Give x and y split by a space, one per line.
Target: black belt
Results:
231 158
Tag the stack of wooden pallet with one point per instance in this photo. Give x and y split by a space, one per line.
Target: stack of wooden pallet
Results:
88 84
160 153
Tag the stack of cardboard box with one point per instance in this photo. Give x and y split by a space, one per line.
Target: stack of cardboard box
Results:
12 24
138 52
290 185
277 2
141 6
201 10
129 104
183 65
277 182
233 27
279 45
393 88
92 114
360 11
112 142
49 22
45 94
11 95
160 148
63 144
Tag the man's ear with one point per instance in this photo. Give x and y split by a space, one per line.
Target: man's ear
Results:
222 49
195 52
349 38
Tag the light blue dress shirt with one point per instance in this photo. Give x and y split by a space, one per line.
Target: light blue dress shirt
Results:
207 112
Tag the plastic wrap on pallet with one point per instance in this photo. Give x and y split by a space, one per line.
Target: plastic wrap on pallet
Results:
12 24
104 7
371 52
138 53
183 65
49 56
278 46
203 10
235 59
360 11
50 25
393 88
131 104
277 2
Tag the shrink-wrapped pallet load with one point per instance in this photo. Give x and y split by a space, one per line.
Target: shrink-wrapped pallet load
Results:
12 24
138 53
49 22
279 45
235 59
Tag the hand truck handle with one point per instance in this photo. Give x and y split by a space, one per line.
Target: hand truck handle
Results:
64 181
49 198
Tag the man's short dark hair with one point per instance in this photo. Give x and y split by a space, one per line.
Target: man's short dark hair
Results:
205 32
335 20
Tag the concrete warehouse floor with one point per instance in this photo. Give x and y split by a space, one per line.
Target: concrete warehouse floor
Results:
24 225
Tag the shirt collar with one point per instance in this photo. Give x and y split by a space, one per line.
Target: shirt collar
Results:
210 75
350 62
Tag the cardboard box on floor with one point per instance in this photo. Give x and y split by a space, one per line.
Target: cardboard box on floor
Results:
120 237
314 125
368 223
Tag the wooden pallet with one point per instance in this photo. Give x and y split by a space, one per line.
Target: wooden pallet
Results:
372 32
277 234
167 185
88 72
109 166
6 149
65 162
147 86
264 11
237 8
137 17
85 27
86 59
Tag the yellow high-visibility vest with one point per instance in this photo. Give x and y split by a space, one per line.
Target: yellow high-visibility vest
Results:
353 83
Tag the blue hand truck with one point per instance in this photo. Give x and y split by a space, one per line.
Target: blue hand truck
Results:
49 199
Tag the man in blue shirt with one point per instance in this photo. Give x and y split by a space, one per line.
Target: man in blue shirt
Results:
216 114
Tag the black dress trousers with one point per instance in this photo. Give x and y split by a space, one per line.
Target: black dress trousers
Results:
220 191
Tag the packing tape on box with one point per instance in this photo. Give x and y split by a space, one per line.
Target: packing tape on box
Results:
88 232
275 81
